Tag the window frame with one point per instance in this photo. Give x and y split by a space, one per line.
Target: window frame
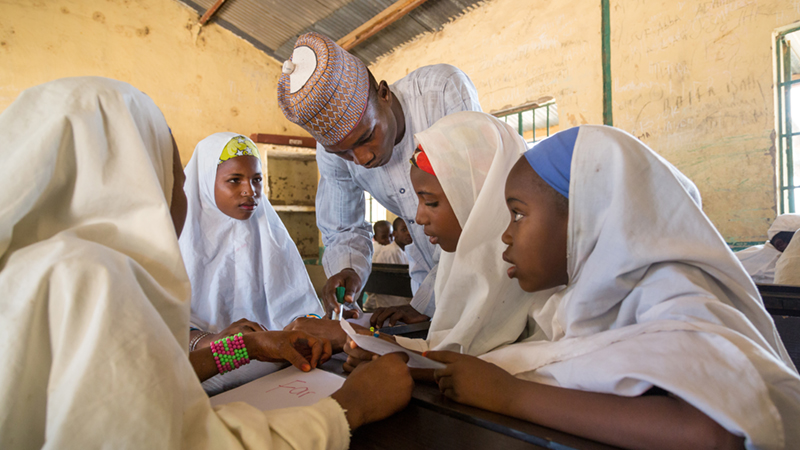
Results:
532 108
786 183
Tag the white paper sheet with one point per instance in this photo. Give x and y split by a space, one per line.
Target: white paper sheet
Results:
283 389
363 319
381 347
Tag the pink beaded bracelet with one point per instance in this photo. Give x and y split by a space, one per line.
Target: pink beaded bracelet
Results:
229 353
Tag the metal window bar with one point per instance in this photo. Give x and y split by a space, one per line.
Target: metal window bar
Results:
520 123
787 75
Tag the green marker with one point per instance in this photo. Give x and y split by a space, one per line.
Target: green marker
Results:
340 299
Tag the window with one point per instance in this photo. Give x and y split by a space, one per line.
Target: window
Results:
374 211
533 121
787 48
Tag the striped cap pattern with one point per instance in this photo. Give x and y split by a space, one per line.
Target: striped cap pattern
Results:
331 102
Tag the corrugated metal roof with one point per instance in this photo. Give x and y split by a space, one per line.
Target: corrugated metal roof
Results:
274 25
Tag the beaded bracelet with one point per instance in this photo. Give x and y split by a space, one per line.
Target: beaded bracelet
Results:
229 353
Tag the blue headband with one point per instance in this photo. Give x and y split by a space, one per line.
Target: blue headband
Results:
551 159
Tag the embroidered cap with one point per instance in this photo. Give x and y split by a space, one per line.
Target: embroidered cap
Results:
323 88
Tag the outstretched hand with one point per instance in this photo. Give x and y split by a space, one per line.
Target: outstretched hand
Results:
300 349
472 381
355 354
394 314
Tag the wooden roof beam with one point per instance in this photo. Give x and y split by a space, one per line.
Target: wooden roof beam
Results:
385 18
207 16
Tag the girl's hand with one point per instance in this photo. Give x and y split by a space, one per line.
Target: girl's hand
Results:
376 390
394 314
472 381
302 350
357 355
323 328
243 326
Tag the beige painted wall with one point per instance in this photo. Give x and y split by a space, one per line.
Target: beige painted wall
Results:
203 83
518 51
692 79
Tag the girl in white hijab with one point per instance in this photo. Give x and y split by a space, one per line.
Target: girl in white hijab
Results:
95 297
654 302
241 260
242 263
459 174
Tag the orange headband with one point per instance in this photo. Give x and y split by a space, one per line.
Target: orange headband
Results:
420 160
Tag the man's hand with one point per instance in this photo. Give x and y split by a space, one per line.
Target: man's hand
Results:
352 284
394 314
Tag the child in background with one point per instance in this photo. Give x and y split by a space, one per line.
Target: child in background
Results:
390 254
241 260
656 338
383 232
95 297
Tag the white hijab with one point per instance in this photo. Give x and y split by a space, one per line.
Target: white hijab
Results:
247 269
90 271
760 260
93 293
655 297
787 268
478 308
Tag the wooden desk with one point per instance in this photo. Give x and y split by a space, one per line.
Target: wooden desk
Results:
432 421
780 300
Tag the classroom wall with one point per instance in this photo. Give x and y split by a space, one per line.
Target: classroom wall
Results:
204 81
692 79
517 52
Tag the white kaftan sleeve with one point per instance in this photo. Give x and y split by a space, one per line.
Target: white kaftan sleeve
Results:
340 218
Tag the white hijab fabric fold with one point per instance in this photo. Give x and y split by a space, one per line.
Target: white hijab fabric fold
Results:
787 268
247 269
655 297
95 158
478 308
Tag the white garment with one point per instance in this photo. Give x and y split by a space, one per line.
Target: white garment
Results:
390 254
478 308
387 254
95 297
655 297
787 269
759 261
426 95
239 269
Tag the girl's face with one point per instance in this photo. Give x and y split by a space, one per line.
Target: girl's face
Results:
434 211
238 186
537 234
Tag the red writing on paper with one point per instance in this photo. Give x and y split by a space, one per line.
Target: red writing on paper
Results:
295 389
